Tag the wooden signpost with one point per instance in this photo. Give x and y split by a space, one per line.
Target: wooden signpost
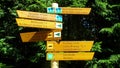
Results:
56 51
69 45
39 16
73 49
38 24
41 35
70 56
68 10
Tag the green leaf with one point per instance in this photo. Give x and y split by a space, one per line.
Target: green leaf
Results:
103 61
95 66
114 58
79 3
2 31
5 66
1 13
10 37
116 25
4 50
2 40
97 47
108 30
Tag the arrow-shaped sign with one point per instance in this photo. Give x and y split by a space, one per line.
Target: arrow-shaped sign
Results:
38 24
70 56
69 45
43 35
39 16
68 10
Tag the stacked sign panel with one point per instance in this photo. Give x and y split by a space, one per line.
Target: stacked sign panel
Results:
50 23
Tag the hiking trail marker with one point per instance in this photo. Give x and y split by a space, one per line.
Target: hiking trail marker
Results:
70 56
39 16
38 24
69 46
41 35
71 50
68 50
69 10
52 26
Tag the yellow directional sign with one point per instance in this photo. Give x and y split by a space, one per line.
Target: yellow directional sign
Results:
42 35
68 10
37 15
70 56
38 24
69 45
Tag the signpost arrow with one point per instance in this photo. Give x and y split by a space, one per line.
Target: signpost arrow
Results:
70 56
69 45
68 10
40 16
38 24
41 35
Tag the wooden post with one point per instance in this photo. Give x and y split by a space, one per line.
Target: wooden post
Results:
54 63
